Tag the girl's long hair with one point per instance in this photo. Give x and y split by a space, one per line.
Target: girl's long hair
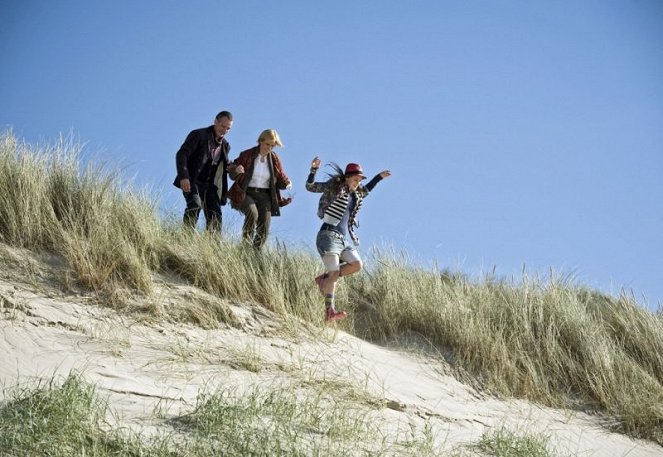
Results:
337 177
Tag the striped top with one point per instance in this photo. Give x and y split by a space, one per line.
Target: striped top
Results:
335 212
335 200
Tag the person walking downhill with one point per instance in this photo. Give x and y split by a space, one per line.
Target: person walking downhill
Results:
259 179
342 197
202 173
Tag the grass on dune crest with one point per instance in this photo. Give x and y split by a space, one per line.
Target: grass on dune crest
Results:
105 233
549 341
545 340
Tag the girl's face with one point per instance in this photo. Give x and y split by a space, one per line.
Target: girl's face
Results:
353 181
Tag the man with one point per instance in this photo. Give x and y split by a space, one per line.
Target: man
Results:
202 173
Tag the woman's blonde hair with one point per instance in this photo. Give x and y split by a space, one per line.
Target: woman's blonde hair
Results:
270 134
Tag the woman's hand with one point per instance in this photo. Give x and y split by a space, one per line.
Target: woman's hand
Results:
234 170
385 174
315 163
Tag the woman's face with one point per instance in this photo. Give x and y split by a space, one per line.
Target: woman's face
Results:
353 181
267 146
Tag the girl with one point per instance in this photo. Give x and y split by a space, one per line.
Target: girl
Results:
342 197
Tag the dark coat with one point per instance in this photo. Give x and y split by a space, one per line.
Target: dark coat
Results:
194 154
277 182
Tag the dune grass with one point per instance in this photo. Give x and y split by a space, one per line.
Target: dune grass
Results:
65 418
104 232
68 417
547 340
278 422
502 442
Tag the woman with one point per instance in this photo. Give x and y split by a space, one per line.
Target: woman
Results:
342 197
259 177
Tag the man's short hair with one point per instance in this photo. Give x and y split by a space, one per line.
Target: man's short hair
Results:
227 114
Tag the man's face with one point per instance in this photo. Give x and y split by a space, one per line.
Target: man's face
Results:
222 126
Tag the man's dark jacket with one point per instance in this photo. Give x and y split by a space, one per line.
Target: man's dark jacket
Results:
194 154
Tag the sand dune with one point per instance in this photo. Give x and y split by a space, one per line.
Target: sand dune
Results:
141 366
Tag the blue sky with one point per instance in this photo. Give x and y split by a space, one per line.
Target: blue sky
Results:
520 134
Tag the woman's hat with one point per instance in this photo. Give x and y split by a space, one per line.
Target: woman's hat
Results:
354 169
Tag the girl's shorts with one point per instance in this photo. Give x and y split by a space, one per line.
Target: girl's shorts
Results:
334 248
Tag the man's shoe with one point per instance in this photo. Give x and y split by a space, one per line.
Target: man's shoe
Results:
333 315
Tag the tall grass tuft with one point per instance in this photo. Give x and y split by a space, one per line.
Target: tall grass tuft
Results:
106 233
504 443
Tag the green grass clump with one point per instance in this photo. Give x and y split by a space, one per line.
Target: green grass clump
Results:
505 443
65 420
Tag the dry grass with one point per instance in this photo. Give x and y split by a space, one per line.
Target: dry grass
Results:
549 341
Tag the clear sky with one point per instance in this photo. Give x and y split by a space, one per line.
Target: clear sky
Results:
520 134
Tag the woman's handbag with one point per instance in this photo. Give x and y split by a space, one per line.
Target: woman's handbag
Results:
236 195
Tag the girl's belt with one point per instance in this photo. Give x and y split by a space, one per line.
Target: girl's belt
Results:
332 228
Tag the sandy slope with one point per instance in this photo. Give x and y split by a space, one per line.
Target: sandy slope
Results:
141 366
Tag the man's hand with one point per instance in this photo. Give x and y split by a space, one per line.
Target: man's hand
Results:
385 174
315 163
185 185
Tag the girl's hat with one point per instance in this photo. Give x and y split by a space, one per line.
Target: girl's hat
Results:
354 169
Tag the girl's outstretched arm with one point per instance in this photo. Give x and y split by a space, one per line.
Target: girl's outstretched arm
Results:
379 177
311 185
